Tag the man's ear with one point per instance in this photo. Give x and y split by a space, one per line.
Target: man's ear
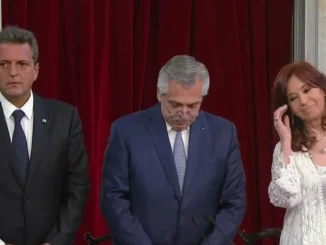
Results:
158 94
36 70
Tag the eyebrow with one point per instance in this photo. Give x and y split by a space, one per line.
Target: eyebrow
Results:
8 61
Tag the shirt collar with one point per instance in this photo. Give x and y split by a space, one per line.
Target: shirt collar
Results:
169 128
9 108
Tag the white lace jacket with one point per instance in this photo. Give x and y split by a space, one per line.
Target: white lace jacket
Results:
297 187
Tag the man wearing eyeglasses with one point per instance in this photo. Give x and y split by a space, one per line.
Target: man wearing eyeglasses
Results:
172 173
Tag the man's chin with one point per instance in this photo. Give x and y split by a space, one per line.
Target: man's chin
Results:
180 126
18 98
13 93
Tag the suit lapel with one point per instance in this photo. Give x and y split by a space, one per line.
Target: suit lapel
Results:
196 146
7 156
159 134
41 125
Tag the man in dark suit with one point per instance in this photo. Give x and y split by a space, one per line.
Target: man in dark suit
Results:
173 174
43 179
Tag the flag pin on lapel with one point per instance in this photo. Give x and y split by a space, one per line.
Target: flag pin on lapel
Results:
43 120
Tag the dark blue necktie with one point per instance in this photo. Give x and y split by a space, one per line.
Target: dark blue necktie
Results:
19 145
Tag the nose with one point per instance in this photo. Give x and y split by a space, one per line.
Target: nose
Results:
184 110
303 99
13 70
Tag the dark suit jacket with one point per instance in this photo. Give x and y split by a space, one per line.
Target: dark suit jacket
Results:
51 205
141 199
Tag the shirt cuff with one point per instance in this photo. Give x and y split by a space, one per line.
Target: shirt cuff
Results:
1 242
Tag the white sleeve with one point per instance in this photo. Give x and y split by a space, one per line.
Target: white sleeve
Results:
1 242
285 187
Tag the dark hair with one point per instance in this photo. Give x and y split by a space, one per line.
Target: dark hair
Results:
16 35
310 75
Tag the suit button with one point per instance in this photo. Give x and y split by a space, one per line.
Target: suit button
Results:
181 216
25 199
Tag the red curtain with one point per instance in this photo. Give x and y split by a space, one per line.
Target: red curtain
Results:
104 56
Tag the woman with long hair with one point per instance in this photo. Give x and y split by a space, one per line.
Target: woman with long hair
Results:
299 161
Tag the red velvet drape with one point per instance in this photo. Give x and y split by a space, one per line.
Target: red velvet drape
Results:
104 57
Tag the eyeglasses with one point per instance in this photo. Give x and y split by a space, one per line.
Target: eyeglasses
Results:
182 110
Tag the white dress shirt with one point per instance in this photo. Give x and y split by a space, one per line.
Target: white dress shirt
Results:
26 122
172 134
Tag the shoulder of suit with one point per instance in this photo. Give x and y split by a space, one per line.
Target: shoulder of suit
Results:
54 104
133 118
214 119
138 116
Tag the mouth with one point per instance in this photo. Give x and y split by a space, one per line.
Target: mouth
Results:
181 122
13 83
307 110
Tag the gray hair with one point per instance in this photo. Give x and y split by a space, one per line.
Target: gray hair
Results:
16 35
185 70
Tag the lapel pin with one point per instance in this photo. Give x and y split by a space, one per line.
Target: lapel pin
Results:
44 120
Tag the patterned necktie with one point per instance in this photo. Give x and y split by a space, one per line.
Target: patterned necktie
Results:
180 158
19 145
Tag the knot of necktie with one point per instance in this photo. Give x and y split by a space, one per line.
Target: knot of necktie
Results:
18 115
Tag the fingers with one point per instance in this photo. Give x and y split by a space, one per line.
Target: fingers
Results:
278 114
279 124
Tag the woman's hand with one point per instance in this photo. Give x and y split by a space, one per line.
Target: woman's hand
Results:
282 125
